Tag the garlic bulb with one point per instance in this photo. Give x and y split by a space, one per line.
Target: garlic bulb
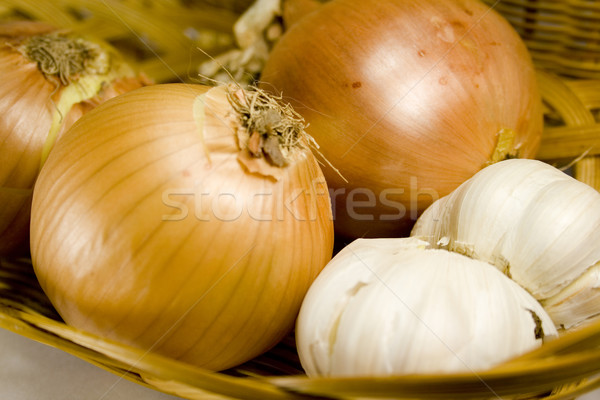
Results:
535 223
397 306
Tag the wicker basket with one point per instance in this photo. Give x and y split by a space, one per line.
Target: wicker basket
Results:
561 369
166 39
562 35
159 36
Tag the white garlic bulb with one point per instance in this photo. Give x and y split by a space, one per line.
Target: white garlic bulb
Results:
395 306
536 224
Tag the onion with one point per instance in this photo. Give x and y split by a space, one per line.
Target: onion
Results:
407 99
49 78
157 223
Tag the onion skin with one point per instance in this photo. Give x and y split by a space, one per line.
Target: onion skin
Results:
115 259
406 97
28 101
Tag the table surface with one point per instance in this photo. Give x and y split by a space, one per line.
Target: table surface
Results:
31 370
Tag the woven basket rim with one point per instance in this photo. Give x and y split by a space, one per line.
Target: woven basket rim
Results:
563 366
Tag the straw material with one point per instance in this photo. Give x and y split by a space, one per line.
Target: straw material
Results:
572 133
166 39
562 35
161 37
558 370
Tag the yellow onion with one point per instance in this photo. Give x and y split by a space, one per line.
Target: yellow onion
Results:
407 99
162 220
48 79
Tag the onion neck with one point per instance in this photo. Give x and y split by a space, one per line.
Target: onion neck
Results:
66 57
78 67
273 130
505 146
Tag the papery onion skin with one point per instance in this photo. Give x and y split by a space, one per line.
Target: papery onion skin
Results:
147 229
407 100
28 104
388 307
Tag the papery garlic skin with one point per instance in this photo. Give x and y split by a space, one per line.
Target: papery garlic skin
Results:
535 223
395 306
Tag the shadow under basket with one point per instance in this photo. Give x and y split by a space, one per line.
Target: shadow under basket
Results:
561 369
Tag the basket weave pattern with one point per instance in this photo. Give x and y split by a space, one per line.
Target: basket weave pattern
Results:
161 38
563 36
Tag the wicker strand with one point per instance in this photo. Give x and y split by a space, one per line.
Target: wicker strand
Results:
562 36
578 119
160 37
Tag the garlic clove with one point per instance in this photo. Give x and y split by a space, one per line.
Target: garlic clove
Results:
489 202
532 221
555 240
344 284
577 303
397 306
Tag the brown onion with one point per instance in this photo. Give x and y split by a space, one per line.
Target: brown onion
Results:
157 222
48 79
407 99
